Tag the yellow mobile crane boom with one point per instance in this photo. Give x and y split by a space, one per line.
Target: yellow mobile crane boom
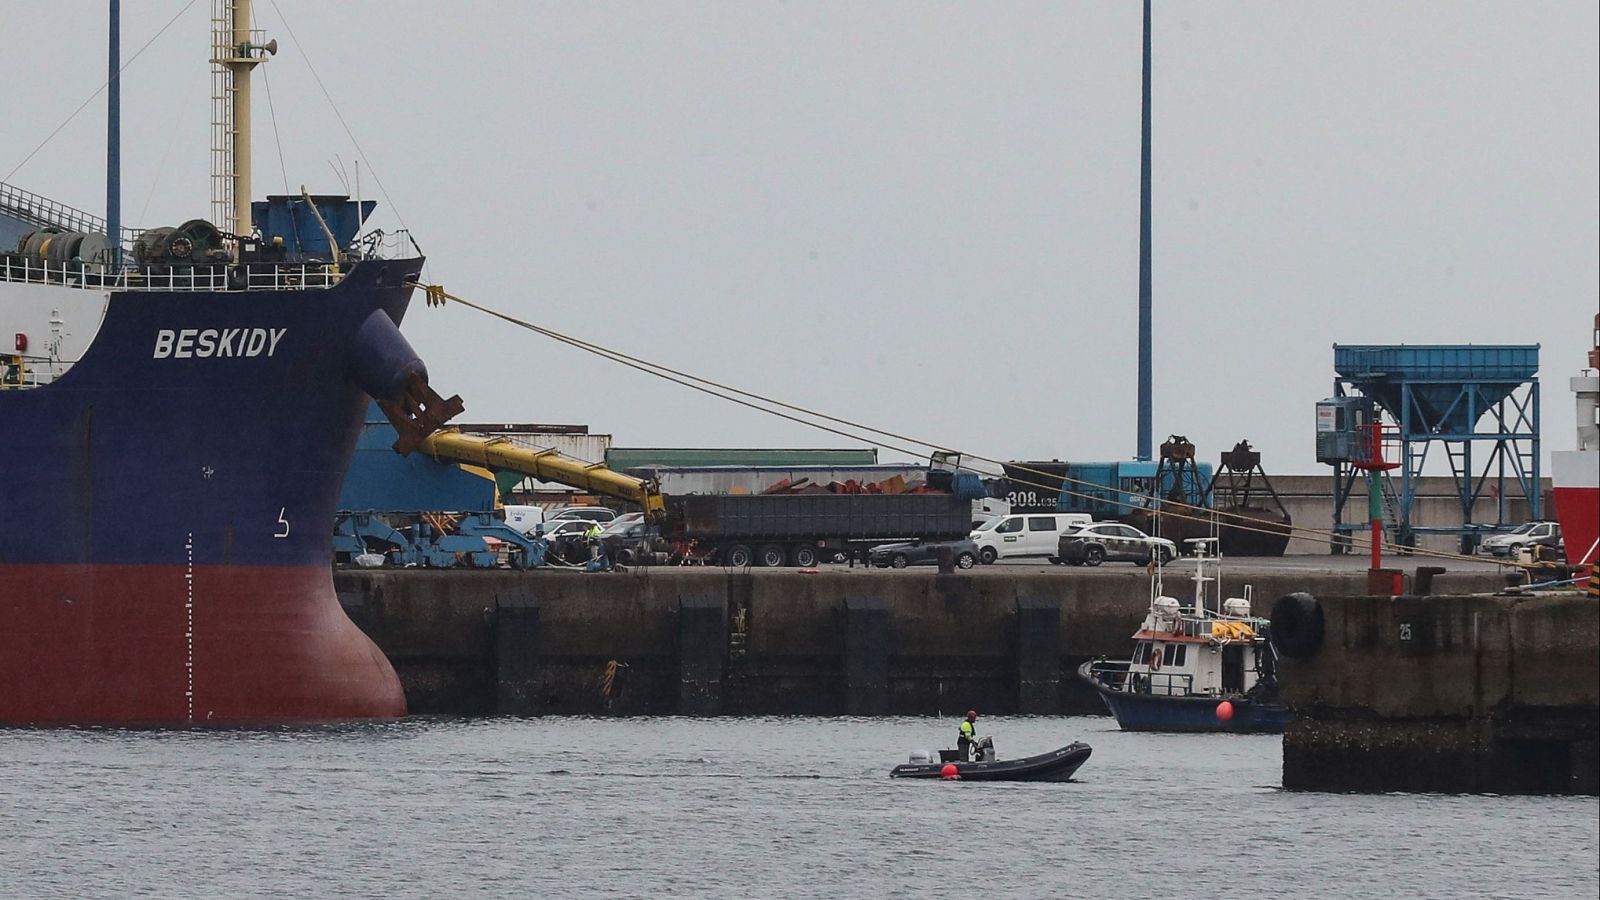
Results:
546 465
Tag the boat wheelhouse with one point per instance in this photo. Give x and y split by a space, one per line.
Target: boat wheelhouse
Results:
1188 661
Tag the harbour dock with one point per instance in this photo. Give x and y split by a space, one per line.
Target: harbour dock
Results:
714 641
1494 694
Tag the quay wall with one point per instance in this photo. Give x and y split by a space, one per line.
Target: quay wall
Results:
1448 693
771 642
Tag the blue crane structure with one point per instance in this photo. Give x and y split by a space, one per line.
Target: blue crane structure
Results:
1459 395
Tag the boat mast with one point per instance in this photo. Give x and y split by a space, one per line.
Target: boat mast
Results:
236 49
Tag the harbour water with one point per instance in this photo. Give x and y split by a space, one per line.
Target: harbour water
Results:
787 807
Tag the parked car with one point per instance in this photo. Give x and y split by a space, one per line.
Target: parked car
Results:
555 530
1090 545
1023 534
922 553
567 541
1510 543
592 513
635 542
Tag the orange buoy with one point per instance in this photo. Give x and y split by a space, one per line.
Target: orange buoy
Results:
1224 710
948 773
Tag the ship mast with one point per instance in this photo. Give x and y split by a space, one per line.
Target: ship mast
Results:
236 49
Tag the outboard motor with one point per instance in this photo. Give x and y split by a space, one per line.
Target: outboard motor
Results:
922 757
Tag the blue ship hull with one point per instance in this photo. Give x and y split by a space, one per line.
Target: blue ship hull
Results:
1155 712
172 499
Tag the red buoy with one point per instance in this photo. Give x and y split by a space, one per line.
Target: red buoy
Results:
1224 710
948 773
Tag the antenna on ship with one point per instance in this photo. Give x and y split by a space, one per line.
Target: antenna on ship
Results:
236 49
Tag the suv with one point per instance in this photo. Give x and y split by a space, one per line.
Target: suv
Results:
1023 534
1093 544
1510 543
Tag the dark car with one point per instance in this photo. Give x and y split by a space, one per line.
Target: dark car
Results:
922 553
1091 545
634 543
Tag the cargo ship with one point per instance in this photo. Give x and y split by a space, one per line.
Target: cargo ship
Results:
178 407
1575 474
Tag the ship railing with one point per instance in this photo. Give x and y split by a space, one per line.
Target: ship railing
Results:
19 371
380 244
47 213
1117 677
215 278
289 276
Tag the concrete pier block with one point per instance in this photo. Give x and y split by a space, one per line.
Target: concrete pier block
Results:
516 654
866 656
1038 655
702 646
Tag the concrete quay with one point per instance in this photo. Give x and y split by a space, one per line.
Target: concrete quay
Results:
1493 694
710 641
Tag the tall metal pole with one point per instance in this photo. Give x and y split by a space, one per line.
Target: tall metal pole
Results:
114 135
1146 442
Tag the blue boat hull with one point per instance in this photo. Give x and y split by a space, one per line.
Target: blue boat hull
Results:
1155 712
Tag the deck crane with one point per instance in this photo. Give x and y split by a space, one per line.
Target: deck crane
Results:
496 453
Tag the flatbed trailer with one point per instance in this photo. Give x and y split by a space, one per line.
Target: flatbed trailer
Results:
804 529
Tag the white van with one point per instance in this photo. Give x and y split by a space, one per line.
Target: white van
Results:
1024 534
525 519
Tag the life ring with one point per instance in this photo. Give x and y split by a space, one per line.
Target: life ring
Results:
1155 659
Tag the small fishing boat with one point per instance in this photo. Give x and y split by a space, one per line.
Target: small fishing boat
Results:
1194 668
1057 765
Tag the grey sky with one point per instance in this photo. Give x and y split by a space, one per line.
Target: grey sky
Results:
922 216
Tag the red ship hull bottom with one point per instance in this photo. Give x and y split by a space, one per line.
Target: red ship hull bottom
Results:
1578 509
173 646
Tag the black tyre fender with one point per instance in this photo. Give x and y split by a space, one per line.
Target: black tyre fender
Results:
1297 626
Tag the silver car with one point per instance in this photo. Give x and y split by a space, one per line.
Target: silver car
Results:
1094 544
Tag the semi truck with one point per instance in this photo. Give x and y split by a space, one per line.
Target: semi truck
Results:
770 530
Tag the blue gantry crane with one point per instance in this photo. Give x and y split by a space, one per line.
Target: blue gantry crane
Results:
1462 396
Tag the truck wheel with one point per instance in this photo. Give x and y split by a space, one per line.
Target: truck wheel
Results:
1094 556
965 560
625 557
899 561
771 556
987 555
738 556
804 555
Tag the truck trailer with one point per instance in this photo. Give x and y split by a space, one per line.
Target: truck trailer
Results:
804 529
